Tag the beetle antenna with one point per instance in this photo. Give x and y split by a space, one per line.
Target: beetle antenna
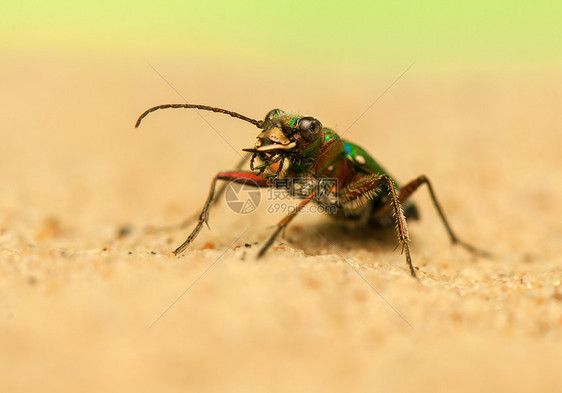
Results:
257 123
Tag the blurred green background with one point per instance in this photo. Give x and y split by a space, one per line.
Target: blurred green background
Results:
358 34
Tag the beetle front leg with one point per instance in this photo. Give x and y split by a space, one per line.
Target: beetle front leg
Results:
247 178
194 217
283 224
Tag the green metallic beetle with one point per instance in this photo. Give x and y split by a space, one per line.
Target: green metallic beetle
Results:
312 162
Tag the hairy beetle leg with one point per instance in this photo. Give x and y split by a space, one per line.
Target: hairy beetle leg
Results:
406 191
367 185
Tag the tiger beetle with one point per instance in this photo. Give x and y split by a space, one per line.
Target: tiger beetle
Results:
316 155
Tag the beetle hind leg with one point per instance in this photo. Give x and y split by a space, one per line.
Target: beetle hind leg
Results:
406 191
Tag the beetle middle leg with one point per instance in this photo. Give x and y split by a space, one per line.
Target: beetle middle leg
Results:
284 222
247 178
364 188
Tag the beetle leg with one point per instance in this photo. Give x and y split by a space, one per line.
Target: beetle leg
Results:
365 187
247 178
401 226
190 219
407 190
284 222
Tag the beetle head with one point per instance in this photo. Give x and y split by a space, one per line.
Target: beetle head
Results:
286 137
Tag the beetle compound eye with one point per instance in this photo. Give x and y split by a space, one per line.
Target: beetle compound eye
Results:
310 128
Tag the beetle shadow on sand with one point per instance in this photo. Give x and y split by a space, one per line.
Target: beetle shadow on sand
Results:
339 236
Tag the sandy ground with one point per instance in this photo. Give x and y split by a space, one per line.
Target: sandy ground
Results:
333 308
